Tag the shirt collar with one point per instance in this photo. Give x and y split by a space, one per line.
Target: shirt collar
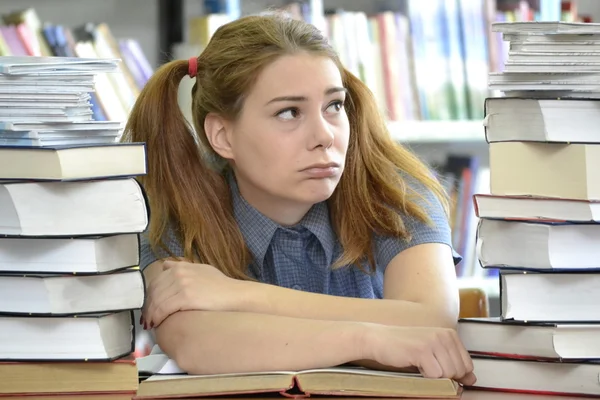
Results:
258 230
317 221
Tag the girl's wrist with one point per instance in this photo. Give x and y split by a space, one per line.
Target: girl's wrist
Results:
245 296
367 338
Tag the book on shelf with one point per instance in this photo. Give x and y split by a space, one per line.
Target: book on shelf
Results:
162 378
462 176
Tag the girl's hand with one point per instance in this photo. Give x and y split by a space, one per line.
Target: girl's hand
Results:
184 286
436 352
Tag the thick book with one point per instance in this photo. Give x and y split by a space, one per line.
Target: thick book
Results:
67 209
63 295
530 208
540 340
537 377
102 337
534 245
77 162
84 255
558 297
542 120
94 380
557 170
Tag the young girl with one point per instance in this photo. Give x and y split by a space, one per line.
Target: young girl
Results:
288 230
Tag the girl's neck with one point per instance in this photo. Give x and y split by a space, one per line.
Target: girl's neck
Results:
280 211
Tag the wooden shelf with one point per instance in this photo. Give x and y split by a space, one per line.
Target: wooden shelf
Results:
438 131
490 285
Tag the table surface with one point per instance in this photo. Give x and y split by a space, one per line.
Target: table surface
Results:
466 395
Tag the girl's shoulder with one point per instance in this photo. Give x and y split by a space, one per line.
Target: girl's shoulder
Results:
436 230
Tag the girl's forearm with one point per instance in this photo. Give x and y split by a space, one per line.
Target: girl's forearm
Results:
205 342
275 300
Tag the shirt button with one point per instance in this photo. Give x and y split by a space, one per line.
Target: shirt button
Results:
297 287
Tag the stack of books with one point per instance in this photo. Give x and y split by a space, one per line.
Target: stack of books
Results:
43 103
541 223
70 215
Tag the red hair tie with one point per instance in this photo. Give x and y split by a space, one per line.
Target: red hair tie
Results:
192 67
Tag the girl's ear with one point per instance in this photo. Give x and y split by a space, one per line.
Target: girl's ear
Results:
218 135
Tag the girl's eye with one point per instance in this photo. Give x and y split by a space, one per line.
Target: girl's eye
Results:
288 114
335 107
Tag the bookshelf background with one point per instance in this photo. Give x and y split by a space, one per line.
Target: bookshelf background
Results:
159 25
141 19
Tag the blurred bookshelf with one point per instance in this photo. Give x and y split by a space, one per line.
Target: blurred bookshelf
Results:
417 131
490 285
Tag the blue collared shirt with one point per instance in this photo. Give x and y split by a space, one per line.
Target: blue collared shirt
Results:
300 257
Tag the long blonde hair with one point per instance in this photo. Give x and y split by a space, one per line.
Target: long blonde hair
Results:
185 192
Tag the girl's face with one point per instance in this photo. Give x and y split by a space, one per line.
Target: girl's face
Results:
289 143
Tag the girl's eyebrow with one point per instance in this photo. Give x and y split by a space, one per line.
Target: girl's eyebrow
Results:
329 91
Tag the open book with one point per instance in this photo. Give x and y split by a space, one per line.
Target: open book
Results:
170 382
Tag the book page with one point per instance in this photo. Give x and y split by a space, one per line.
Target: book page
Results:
358 371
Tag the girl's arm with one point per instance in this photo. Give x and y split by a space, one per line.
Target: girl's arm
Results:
419 287
209 342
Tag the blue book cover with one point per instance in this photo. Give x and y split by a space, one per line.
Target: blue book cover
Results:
229 7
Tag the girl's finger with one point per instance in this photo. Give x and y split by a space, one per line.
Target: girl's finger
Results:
167 306
157 291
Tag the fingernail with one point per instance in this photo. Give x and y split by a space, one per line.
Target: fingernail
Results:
151 325
145 326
